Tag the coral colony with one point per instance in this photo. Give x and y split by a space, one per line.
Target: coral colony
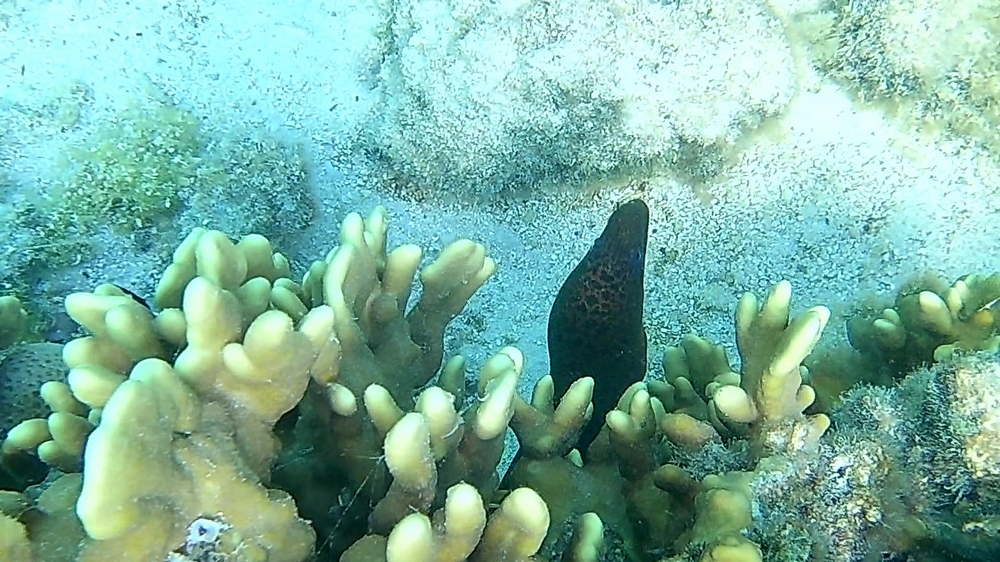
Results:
248 415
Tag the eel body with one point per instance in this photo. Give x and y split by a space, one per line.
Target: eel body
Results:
595 325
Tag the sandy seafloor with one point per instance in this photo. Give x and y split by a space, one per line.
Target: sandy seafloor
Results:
840 202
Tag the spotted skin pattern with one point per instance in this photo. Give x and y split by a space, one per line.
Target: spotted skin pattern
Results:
595 325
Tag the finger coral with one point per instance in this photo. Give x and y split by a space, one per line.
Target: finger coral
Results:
926 325
177 408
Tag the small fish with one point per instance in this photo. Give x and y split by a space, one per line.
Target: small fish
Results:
595 325
134 296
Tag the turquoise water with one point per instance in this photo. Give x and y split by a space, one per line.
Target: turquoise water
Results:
848 148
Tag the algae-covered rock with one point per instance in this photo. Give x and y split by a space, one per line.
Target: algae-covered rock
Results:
485 98
937 433
931 63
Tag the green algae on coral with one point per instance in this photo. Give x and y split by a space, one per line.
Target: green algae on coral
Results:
129 173
260 179
154 158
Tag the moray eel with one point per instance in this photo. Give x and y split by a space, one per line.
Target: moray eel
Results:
595 325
